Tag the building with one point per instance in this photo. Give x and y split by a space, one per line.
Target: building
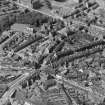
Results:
26 103
24 2
78 1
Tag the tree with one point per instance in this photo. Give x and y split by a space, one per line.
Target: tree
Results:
48 4
37 4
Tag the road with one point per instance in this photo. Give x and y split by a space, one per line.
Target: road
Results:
13 86
44 13
72 83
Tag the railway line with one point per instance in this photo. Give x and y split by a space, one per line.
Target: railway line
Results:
12 87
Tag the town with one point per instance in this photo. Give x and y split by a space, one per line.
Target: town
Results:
52 52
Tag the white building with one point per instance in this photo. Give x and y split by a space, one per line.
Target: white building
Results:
77 1
26 103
